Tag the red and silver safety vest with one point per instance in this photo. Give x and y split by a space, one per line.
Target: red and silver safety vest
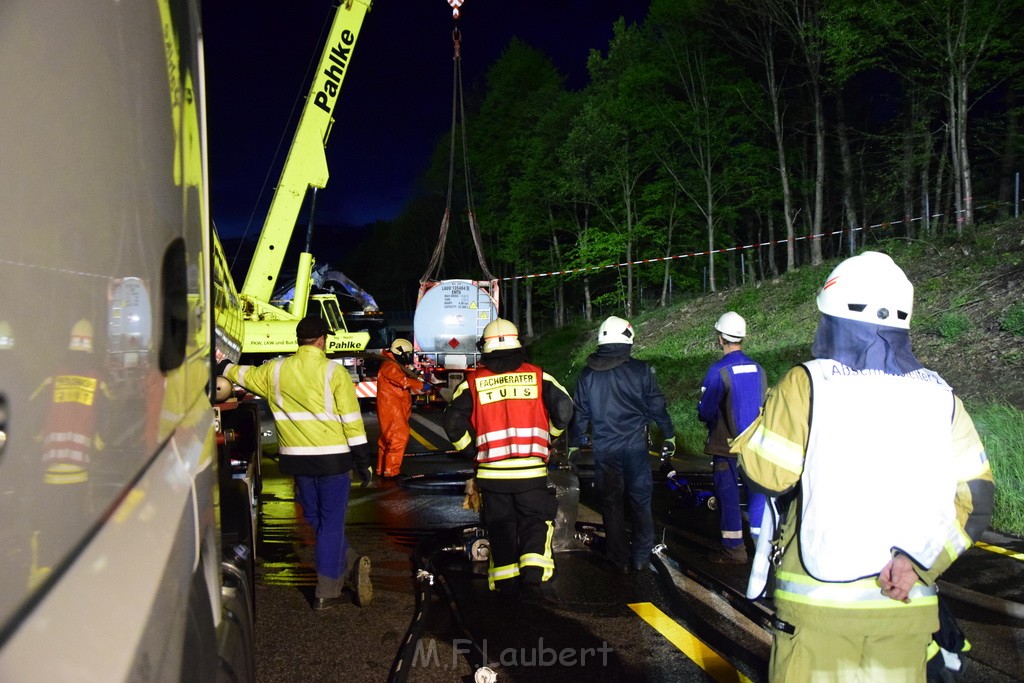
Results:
510 423
70 427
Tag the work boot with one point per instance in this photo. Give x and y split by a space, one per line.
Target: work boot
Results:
637 566
320 604
507 590
737 555
542 593
362 589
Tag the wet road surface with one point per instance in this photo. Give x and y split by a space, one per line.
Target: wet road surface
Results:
603 627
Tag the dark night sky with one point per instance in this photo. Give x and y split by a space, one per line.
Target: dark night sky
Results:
395 103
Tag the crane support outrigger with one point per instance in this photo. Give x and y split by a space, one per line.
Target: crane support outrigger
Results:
247 320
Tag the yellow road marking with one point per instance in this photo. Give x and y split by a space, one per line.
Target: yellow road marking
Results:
423 442
1000 551
688 644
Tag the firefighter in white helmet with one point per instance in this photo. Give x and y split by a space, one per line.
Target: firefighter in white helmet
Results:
506 414
617 397
730 399
395 386
886 479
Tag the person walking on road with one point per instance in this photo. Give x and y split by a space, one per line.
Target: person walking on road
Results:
616 398
322 437
730 399
887 483
507 412
395 386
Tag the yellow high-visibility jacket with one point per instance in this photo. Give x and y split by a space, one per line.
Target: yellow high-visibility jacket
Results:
320 428
772 452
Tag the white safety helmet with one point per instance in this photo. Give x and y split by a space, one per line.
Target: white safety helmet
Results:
732 327
500 334
81 336
400 346
870 288
223 389
402 350
615 330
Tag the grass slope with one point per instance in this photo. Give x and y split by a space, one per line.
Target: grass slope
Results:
968 325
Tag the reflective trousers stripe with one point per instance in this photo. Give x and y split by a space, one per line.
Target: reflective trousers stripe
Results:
862 594
495 574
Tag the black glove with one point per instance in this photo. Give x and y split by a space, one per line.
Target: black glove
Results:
221 366
668 449
363 467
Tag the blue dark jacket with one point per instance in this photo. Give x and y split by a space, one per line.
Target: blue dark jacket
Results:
616 397
731 398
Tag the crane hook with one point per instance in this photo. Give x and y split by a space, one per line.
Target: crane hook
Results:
455 5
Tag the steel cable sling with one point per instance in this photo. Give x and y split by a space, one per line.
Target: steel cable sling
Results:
458 110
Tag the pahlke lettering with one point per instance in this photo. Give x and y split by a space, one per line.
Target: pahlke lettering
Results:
328 93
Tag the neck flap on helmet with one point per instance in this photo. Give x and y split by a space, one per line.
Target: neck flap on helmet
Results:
864 346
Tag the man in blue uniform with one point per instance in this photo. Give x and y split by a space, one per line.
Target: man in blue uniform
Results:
616 397
731 397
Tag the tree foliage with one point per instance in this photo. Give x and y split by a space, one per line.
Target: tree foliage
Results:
713 130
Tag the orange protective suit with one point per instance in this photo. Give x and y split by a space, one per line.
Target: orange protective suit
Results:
394 404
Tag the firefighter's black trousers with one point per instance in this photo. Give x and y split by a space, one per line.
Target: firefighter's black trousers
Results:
519 516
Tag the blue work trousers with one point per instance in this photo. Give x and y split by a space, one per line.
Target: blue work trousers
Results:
324 501
727 490
620 478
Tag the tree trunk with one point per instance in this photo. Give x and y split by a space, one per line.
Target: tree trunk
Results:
515 302
847 168
627 196
954 147
1008 159
819 171
965 159
667 275
940 177
771 245
559 265
780 149
926 163
908 176
529 309
588 305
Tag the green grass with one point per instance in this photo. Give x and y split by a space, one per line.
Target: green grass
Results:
1001 428
1013 319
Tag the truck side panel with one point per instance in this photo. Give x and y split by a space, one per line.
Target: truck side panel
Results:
108 527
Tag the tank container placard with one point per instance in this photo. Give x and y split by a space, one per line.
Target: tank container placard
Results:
450 317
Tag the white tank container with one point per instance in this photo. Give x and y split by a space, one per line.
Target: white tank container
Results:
449 319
